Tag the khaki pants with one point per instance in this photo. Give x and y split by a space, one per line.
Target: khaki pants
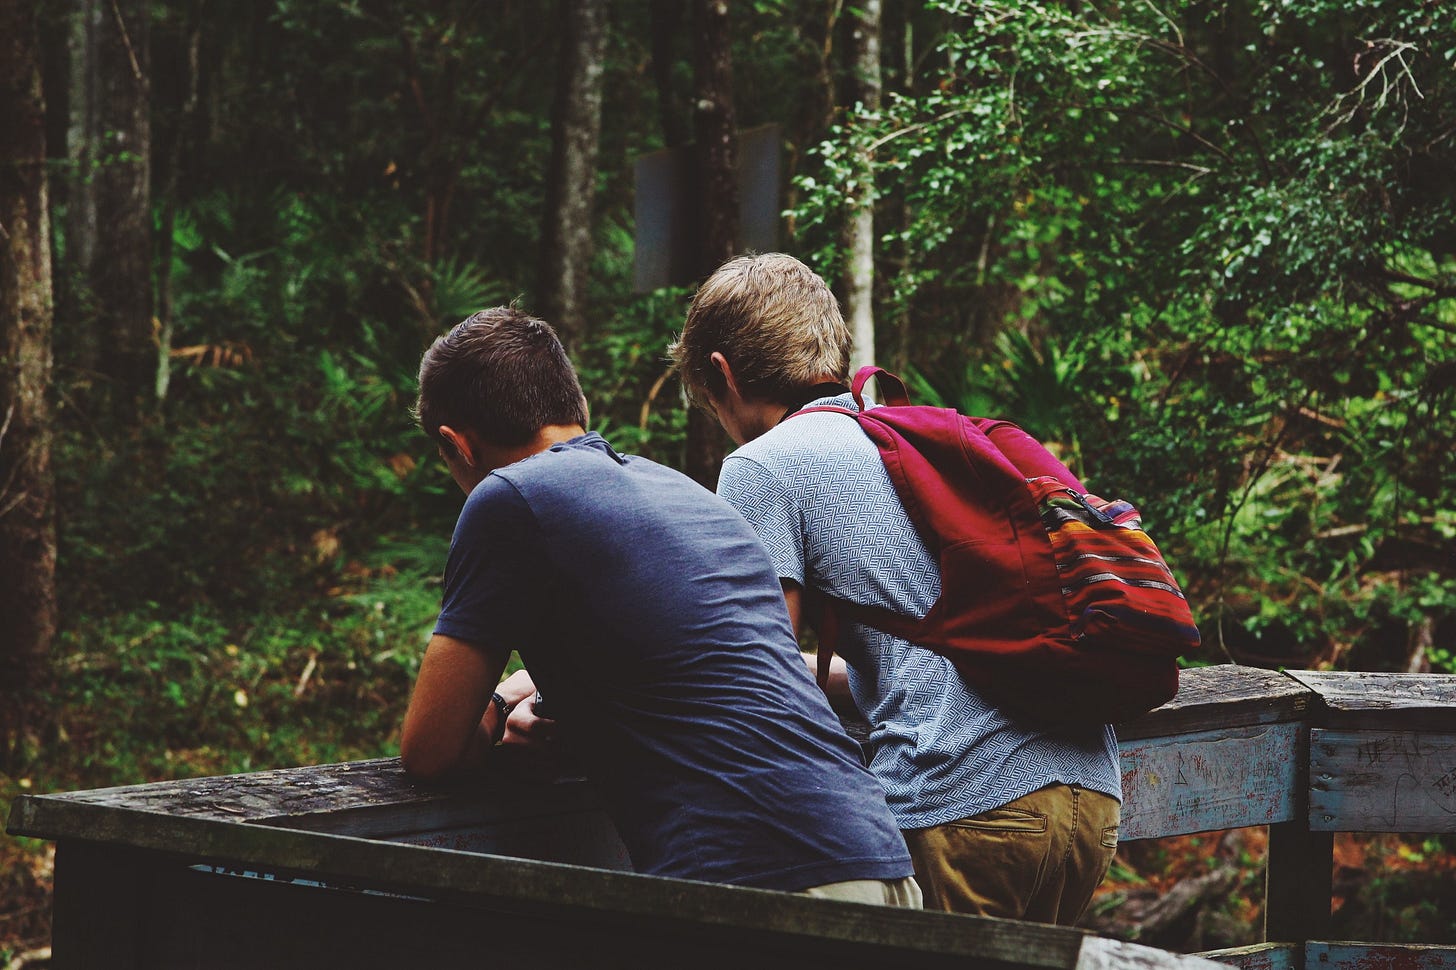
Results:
880 892
1037 858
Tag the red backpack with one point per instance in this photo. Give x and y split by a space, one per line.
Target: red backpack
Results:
1054 603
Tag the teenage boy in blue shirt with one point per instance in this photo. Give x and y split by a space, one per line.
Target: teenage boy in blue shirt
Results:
647 612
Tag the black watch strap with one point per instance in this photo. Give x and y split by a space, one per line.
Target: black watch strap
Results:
504 710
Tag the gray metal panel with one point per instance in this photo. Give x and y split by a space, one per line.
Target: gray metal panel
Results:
667 208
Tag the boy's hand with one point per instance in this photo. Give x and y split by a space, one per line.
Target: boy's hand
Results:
523 727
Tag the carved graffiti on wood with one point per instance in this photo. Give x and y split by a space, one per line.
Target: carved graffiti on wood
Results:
1211 780
1368 781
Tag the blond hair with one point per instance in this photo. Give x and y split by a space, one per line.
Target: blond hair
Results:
776 322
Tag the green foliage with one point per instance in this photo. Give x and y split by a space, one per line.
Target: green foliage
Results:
1037 381
202 692
460 289
247 495
1205 248
1402 894
636 403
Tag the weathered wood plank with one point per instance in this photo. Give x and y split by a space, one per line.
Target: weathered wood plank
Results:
717 920
1383 702
1220 696
1382 781
1336 956
581 839
231 922
1209 781
1299 881
1261 956
364 798
95 906
1379 956
282 792
193 918
1099 953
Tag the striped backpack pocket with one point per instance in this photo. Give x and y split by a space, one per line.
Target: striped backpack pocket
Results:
1113 578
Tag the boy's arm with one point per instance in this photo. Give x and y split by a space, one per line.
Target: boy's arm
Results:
838 686
451 724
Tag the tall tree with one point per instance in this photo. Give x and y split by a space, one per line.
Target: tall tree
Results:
27 524
109 228
170 190
716 164
666 16
859 270
576 125
76 193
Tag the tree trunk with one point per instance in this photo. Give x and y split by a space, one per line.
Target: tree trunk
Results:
716 156
859 270
665 18
110 229
174 155
898 38
27 523
75 302
576 125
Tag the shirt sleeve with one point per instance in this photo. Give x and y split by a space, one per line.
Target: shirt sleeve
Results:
495 575
764 500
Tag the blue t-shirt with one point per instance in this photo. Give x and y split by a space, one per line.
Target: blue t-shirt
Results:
816 491
652 622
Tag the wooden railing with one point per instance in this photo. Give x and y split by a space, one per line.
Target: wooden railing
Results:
354 865
1308 754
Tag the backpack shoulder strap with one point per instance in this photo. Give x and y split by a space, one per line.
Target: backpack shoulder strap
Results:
892 389
1030 456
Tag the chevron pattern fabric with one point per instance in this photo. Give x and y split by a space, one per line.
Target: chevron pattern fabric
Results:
816 491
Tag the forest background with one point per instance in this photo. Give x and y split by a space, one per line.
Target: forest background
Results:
1205 248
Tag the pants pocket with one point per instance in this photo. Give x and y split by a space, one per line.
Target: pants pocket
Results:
1003 820
989 864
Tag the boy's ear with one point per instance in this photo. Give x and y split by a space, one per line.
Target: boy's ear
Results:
460 443
723 367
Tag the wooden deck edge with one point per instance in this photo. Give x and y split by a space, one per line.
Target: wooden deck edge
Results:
1259 956
1223 695
569 893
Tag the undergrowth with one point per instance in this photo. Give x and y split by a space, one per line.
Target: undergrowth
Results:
158 694
1387 888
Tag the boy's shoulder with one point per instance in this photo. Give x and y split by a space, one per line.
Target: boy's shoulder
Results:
804 440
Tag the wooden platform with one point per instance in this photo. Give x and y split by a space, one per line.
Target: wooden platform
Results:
355 865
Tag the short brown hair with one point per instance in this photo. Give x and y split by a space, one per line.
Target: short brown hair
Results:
501 373
774 319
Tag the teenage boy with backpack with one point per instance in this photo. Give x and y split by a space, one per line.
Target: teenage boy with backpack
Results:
1002 818
648 613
